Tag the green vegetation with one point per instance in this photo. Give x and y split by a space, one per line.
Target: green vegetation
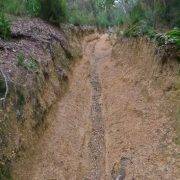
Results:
174 35
151 17
158 14
31 64
20 7
5 173
21 59
79 17
15 7
102 13
33 7
171 37
4 27
54 11
140 17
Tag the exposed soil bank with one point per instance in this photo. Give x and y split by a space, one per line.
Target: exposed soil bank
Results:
36 64
140 95
115 122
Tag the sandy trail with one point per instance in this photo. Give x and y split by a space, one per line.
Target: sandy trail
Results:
97 131
73 147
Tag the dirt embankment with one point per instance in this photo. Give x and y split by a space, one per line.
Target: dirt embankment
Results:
141 94
34 65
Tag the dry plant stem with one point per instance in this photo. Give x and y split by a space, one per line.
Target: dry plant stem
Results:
7 88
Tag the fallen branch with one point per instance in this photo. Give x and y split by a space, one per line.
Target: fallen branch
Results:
6 83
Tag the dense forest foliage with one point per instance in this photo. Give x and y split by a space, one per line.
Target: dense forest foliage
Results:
137 17
98 12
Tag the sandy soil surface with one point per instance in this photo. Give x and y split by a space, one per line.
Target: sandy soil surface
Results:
103 128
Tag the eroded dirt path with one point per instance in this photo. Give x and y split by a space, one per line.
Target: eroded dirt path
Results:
98 52
103 128
73 147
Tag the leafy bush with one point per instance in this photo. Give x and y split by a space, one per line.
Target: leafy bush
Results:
139 29
136 14
157 14
16 7
102 20
33 7
79 17
171 37
162 39
95 12
174 35
5 30
173 13
54 11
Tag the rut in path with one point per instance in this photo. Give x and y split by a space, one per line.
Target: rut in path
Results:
97 140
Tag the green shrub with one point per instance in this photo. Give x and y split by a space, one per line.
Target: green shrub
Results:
5 30
136 14
171 37
139 29
173 13
79 17
54 11
102 20
33 7
174 35
15 7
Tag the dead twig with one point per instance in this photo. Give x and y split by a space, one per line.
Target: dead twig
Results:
7 87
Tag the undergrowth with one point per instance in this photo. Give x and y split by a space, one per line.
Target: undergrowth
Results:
30 64
5 173
5 30
53 11
152 19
